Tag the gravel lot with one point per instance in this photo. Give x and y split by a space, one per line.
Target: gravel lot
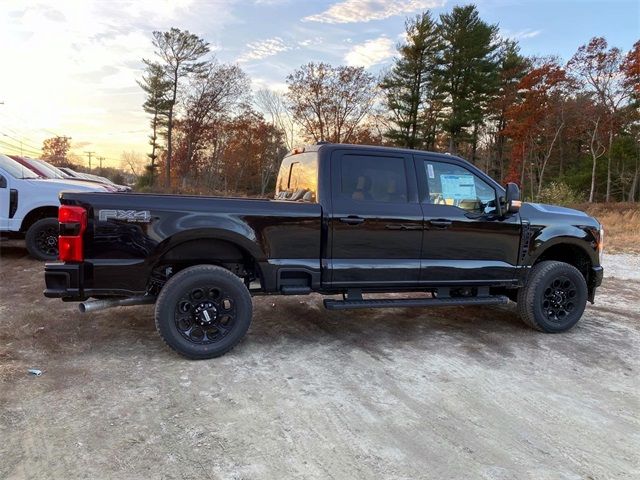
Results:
450 393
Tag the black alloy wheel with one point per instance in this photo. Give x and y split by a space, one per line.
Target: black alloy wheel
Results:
203 311
558 299
205 314
553 298
42 239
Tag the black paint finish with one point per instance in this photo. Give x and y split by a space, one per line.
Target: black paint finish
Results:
331 243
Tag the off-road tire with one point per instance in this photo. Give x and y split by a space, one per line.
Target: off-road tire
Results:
38 240
549 284
170 303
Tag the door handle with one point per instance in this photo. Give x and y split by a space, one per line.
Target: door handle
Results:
352 220
395 226
440 223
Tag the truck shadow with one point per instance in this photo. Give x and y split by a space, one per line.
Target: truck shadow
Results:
287 323
12 249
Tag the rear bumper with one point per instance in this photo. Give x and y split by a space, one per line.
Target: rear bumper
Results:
64 280
79 281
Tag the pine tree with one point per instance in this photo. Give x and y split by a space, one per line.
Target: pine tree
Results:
180 53
468 72
407 86
157 104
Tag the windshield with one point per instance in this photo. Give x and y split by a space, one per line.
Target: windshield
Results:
52 172
14 169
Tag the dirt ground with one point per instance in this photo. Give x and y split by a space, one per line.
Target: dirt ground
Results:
450 393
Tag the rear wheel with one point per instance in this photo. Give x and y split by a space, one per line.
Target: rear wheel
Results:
42 239
203 311
554 298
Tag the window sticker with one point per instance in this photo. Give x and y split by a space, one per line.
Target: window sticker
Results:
430 171
458 187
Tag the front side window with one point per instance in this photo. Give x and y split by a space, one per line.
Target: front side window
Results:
373 178
456 186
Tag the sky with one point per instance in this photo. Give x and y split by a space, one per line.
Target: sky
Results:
69 67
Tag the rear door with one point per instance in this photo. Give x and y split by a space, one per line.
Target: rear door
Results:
375 226
465 240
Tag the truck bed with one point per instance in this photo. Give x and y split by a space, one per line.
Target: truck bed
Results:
136 230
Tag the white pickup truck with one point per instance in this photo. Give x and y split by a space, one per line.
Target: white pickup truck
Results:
29 206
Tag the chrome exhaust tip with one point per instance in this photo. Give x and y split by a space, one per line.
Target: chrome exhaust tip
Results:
97 305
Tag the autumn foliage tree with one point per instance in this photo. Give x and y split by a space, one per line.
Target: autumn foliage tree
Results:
599 69
535 121
55 150
330 102
456 85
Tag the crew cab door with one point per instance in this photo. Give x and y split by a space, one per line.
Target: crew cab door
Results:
375 226
465 240
4 201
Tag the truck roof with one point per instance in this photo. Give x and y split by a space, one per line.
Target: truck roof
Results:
349 146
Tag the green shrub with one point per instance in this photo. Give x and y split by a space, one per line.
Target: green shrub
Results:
559 193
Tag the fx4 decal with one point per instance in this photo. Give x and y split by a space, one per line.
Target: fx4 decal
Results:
135 216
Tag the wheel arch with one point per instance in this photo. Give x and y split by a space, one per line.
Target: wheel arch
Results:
569 252
38 214
187 249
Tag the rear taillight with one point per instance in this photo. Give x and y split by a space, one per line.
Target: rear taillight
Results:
73 223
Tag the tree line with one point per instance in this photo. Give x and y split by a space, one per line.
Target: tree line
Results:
565 129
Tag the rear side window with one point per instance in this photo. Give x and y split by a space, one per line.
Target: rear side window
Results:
367 178
298 178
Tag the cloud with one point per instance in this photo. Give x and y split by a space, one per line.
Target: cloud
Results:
309 42
353 11
270 3
78 63
264 48
371 52
520 35
259 83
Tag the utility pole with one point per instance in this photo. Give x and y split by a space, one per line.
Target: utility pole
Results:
89 155
100 159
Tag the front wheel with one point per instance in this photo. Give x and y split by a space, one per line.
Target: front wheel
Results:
42 239
554 297
203 311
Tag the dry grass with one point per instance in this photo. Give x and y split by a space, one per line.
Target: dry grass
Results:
621 224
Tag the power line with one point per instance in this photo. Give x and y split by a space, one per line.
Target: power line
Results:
20 144
19 150
18 140
13 115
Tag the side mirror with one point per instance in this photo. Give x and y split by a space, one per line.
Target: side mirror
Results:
512 198
3 182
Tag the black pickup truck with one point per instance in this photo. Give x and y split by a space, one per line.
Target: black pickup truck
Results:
346 220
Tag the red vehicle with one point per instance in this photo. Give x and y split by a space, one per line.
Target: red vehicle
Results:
44 170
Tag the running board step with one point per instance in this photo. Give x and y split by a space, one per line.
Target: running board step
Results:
414 302
295 290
